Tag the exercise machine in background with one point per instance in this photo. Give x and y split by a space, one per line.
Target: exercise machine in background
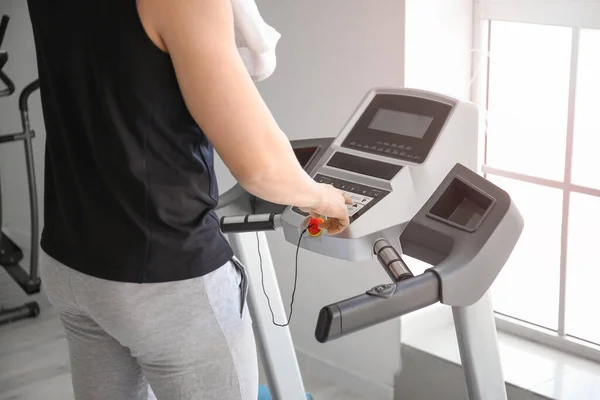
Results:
407 159
10 254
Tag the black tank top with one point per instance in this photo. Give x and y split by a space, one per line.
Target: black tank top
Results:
130 187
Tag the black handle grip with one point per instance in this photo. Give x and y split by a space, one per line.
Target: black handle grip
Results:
250 223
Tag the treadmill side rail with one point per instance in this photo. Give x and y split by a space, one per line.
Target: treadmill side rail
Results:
380 304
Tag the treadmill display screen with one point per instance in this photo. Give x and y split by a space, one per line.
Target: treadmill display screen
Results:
364 166
399 127
401 123
305 155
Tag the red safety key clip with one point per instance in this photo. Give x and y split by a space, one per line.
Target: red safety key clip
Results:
313 226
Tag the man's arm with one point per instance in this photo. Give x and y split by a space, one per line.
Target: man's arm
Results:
221 96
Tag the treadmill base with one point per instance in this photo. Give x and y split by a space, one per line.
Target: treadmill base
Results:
10 253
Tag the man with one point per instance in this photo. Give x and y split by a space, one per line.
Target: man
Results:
135 94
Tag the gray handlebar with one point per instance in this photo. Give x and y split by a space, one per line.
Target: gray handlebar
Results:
380 304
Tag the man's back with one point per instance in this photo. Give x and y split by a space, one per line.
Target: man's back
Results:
130 187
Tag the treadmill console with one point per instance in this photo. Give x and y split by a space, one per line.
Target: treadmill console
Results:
389 158
363 166
402 127
392 129
363 197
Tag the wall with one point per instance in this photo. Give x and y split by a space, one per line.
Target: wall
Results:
438 46
22 69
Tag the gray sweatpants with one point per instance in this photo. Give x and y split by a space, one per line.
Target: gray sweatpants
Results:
188 340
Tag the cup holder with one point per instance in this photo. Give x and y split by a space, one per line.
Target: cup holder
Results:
462 205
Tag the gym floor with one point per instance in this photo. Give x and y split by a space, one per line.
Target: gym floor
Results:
34 360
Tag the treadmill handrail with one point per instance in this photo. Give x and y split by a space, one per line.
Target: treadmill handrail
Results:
374 307
250 223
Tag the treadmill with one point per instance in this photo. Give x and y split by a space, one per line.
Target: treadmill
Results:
407 158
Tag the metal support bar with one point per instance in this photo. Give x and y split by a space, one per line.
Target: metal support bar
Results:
3 26
478 344
274 343
564 243
15 137
33 204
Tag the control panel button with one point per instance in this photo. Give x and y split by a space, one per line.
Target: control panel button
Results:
359 198
363 197
383 291
353 208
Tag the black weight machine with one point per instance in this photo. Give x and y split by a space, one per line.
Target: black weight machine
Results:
10 253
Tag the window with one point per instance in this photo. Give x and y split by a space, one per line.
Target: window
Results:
583 261
541 91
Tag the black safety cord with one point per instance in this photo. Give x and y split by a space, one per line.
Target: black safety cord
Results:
262 275
295 283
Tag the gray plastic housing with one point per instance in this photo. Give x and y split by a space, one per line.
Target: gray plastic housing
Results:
467 230
237 201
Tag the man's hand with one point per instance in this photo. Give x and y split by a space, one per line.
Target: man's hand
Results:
332 205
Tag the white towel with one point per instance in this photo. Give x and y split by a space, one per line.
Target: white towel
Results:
255 39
